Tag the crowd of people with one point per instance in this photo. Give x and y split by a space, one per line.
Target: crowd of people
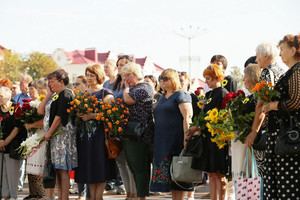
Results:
165 108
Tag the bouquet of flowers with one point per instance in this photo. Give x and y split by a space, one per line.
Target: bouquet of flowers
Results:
28 112
83 103
32 144
220 126
114 116
265 91
235 104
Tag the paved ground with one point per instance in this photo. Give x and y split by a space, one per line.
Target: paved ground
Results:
200 191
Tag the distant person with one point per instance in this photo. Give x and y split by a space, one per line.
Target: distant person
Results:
229 83
15 89
251 60
110 70
24 81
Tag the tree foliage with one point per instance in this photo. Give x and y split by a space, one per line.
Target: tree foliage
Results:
238 76
11 66
39 65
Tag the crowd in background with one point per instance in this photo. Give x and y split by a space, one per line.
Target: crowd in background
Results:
165 107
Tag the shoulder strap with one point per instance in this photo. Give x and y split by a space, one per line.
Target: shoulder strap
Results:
272 76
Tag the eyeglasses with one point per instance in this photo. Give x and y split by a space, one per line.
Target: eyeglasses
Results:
149 76
163 78
76 84
182 73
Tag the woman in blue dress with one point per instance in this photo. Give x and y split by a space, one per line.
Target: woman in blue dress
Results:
92 160
172 116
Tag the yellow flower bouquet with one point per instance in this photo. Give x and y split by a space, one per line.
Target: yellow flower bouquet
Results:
220 127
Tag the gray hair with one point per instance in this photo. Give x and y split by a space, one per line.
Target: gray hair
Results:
6 92
253 71
133 68
27 78
267 48
111 61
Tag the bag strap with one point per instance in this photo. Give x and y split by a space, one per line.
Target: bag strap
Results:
254 169
245 169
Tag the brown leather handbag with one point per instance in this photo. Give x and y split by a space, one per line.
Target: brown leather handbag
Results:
113 146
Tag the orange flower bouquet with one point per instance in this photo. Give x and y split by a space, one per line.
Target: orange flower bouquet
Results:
265 91
83 103
114 115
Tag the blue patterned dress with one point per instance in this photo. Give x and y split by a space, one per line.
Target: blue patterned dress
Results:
168 138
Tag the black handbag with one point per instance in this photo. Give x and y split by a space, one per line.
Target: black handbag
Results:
288 140
260 141
195 146
49 174
134 130
13 153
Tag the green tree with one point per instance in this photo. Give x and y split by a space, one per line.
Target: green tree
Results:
39 65
238 76
11 66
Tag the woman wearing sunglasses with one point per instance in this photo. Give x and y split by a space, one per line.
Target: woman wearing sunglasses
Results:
216 162
172 116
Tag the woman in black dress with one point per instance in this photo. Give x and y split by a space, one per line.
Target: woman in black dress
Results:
92 160
216 162
282 173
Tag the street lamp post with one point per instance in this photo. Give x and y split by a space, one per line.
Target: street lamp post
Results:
190 35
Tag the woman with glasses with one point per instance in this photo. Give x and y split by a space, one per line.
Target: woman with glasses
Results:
172 116
216 162
93 168
80 83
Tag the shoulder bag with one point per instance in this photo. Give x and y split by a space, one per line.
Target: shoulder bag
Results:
113 146
181 170
195 146
288 140
133 130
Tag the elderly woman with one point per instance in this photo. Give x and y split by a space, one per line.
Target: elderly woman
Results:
216 162
139 99
266 54
93 166
125 172
35 163
13 132
63 146
238 150
282 180
172 116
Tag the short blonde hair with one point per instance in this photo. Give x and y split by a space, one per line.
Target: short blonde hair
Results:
133 68
6 92
174 78
253 71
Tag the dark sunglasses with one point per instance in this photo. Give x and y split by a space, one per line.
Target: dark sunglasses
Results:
210 67
76 84
163 78
182 73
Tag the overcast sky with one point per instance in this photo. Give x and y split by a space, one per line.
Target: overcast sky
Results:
148 28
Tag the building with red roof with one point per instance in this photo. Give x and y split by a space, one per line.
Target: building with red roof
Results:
76 61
